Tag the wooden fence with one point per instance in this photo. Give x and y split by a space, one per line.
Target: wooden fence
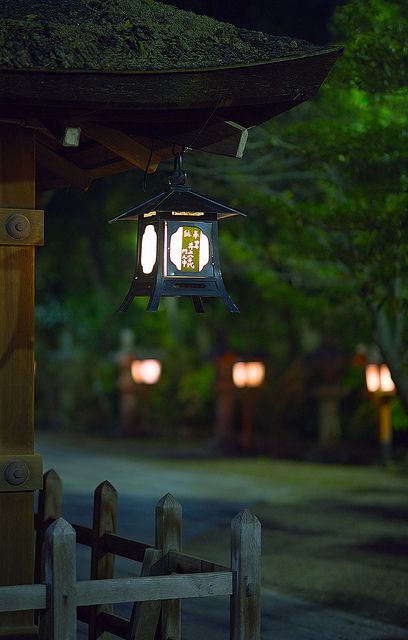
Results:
167 574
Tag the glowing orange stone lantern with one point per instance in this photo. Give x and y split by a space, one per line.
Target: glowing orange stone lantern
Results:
146 371
381 385
248 376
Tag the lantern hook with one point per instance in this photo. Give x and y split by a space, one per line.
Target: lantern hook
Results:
178 177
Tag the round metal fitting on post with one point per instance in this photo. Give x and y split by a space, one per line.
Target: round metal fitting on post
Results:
18 226
16 473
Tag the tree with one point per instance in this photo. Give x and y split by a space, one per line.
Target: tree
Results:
326 186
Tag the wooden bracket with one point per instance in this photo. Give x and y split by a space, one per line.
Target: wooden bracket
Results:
21 226
63 168
124 146
20 472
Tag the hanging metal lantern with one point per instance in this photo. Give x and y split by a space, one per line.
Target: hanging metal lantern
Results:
177 246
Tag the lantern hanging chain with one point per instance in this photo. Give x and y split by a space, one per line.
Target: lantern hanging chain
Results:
178 176
147 168
210 117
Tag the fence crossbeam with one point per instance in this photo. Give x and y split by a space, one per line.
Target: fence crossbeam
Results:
115 590
168 575
23 597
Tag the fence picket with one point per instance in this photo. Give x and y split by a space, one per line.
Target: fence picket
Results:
145 615
56 563
49 509
168 538
245 619
58 622
102 563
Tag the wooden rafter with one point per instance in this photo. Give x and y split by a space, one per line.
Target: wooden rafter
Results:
65 134
124 146
62 168
113 167
222 137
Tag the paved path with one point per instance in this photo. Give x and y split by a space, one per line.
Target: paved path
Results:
283 618
140 484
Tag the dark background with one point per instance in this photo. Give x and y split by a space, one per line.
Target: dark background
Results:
298 18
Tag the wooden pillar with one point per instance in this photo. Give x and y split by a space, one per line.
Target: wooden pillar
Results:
385 426
224 408
19 468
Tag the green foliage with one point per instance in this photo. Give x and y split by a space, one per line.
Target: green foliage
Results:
326 189
195 390
376 36
399 416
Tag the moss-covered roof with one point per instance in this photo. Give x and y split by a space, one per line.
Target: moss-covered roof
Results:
127 35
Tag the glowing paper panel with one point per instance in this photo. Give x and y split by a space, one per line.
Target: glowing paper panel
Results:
149 249
386 382
189 249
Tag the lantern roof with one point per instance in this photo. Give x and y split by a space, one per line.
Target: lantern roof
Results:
113 86
179 199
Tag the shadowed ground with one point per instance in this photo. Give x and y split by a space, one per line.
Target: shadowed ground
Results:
334 538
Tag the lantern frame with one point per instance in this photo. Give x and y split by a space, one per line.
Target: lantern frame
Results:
168 211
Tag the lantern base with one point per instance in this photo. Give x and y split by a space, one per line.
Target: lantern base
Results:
193 288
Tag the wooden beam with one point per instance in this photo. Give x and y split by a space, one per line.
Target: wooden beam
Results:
46 139
124 146
115 590
17 189
63 168
107 621
91 154
232 142
119 546
183 563
22 597
110 542
222 137
109 169
65 135
293 78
